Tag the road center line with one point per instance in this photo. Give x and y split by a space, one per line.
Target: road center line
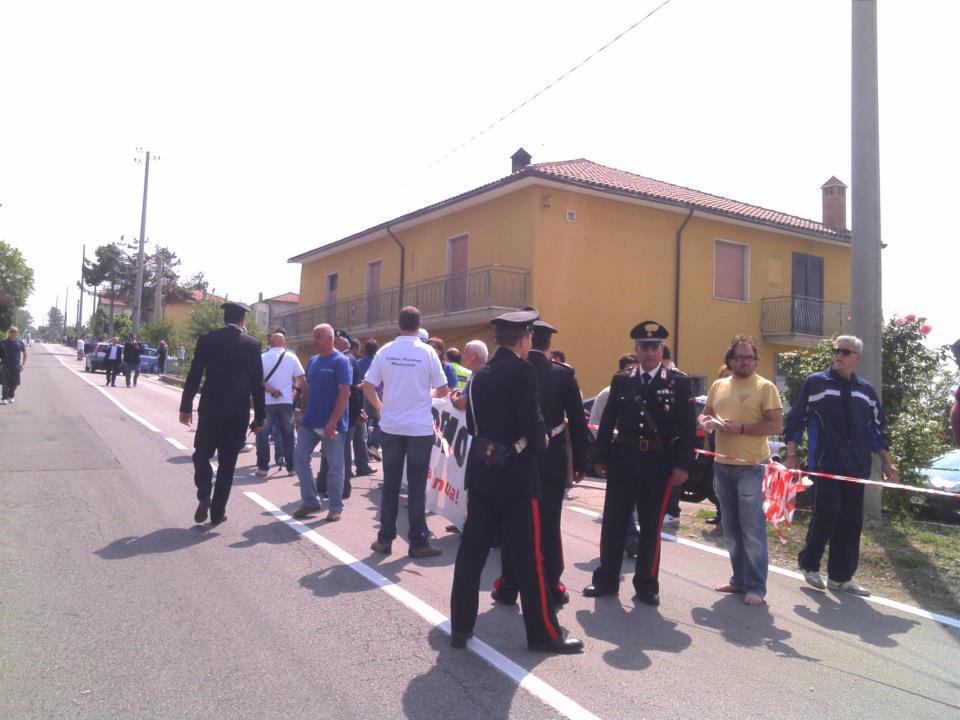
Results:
524 678
875 599
149 426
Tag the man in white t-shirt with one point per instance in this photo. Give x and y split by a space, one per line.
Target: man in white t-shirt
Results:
412 376
281 372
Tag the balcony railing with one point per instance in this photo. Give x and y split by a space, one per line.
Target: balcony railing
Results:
799 315
490 287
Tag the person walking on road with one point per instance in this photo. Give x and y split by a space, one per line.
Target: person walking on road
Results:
112 361
324 421
652 410
162 357
743 409
411 375
228 362
282 371
844 422
503 488
131 359
13 358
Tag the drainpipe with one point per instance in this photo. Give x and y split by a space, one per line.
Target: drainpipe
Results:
676 291
403 263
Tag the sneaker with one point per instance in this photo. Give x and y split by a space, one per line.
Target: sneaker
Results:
10 400
3 402
669 519
424 551
374 453
305 511
814 579
259 472
380 547
850 586
333 516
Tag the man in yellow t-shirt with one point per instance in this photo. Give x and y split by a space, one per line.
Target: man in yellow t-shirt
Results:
743 409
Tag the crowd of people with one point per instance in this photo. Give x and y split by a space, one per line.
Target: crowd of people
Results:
529 439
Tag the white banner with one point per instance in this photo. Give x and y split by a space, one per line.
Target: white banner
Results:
446 495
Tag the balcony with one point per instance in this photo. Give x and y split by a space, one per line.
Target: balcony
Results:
802 321
474 297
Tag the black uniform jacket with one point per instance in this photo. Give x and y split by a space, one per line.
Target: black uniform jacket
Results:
106 353
669 418
503 393
234 375
559 397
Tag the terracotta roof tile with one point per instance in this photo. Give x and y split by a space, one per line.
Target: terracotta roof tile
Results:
290 297
585 172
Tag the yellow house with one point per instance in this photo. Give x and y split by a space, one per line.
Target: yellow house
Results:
596 250
179 312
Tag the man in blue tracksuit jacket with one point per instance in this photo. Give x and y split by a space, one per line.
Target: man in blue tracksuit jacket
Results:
844 422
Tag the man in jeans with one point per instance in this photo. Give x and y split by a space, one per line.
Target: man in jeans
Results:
324 421
131 359
281 372
13 357
743 409
411 374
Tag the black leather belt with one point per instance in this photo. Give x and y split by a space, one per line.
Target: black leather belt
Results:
640 443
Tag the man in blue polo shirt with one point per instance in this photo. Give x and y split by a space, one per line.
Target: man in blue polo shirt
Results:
328 380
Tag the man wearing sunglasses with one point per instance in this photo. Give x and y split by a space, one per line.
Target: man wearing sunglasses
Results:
844 422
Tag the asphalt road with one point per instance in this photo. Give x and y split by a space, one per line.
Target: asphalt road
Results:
113 604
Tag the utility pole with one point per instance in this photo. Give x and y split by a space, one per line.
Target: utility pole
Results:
83 266
865 263
138 289
66 304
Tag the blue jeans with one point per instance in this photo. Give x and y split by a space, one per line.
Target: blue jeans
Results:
739 489
332 449
415 451
280 416
373 436
360 456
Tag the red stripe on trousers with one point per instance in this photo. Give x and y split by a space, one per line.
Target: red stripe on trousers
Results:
551 630
663 510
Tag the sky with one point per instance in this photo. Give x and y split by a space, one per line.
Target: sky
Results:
280 127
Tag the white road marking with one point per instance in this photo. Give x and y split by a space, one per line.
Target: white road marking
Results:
176 443
99 388
875 599
524 678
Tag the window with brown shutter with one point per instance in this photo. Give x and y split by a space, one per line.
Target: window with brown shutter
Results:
730 263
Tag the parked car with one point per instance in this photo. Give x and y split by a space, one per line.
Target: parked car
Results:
943 474
94 358
148 360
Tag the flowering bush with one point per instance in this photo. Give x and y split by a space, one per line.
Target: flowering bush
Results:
917 392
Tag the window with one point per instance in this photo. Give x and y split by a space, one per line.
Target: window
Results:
731 263
332 283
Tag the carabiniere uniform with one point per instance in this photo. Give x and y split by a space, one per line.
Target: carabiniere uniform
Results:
561 405
655 429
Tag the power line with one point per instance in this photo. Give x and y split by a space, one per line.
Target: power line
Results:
544 89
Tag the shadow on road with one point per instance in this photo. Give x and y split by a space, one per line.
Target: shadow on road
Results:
457 687
748 626
159 541
271 533
180 460
854 616
633 631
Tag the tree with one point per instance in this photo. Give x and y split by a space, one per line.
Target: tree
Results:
16 282
23 320
55 321
917 385
166 330
113 267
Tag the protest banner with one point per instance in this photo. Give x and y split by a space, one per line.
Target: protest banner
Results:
446 495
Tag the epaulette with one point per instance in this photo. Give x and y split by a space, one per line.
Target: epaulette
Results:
678 371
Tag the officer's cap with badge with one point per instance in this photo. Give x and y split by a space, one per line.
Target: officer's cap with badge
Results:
234 311
649 333
516 320
540 327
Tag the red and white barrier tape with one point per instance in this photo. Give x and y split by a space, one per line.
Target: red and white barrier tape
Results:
861 481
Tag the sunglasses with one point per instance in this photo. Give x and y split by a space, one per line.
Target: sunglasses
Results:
846 352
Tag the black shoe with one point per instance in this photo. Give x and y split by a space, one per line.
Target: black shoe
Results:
217 521
648 597
200 515
632 549
561 599
459 640
597 591
366 472
564 646
715 520
498 598
347 490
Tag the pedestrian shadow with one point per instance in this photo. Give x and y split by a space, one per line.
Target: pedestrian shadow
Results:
481 692
634 632
159 541
854 616
180 460
746 625
335 580
271 533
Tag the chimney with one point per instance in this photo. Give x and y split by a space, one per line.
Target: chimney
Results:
260 299
519 160
834 204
